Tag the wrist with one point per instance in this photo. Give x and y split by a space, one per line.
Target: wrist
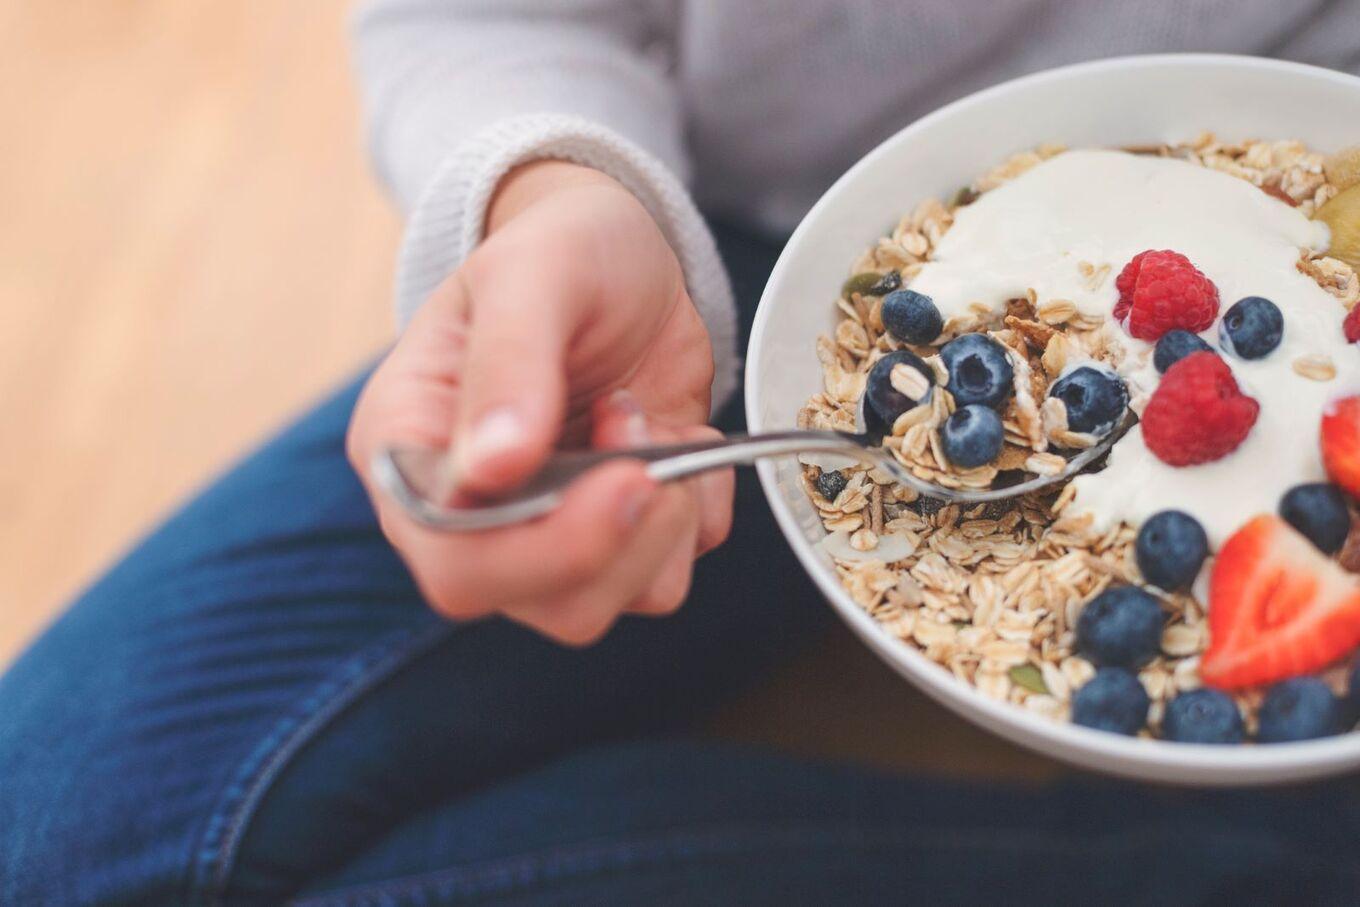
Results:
529 183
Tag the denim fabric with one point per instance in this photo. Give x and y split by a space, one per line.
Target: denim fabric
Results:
255 705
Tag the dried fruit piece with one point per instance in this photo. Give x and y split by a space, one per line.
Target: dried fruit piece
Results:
1342 216
1277 608
1277 192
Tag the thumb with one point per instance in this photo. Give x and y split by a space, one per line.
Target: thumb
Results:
514 388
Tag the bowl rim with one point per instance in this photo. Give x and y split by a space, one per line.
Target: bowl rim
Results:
1149 759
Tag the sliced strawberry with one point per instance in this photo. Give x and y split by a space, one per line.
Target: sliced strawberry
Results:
1277 607
1340 438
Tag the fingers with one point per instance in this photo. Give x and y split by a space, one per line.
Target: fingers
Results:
514 393
582 616
466 575
619 423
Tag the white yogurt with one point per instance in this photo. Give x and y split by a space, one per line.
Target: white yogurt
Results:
1104 207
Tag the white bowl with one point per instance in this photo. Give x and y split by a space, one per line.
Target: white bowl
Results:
1124 101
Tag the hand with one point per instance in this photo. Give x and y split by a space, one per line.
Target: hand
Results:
569 325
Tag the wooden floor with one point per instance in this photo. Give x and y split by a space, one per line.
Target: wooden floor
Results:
190 250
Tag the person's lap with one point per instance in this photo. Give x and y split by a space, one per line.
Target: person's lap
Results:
256 703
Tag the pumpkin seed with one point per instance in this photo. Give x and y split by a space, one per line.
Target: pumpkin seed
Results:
1029 677
871 284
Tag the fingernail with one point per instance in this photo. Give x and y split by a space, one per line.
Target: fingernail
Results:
634 503
495 434
635 421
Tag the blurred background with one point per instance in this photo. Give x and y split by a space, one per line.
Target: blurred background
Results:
191 250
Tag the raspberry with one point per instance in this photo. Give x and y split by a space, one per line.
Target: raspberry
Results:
1351 326
1198 413
1162 291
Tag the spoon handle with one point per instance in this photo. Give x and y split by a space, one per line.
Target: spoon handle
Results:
413 476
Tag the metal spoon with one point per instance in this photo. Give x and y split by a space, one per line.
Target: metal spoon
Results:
413 477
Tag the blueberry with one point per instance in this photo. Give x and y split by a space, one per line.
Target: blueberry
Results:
1319 511
887 401
1095 399
1203 716
831 483
979 370
1112 701
1175 346
972 436
1121 627
1299 708
911 317
1252 328
1170 549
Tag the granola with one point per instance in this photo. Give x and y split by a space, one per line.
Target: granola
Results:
992 593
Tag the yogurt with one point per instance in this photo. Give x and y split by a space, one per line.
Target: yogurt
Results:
1099 208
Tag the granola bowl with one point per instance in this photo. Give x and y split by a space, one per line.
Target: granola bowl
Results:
981 609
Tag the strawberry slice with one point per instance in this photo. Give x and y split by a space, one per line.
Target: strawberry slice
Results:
1340 437
1277 607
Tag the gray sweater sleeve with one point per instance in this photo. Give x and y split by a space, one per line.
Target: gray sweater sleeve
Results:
458 92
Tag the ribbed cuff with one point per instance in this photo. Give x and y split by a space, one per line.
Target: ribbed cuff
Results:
446 224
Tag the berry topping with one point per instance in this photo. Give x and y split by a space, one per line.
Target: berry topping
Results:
1112 701
1175 346
1095 399
979 370
1170 549
1198 413
1121 627
891 392
1277 608
1350 326
1301 708
1203 716
1340 437
1252 328
831 483
1319 511
1160 291
911 317
972 436
1342 215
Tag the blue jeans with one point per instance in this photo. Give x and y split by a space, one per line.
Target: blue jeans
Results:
256 707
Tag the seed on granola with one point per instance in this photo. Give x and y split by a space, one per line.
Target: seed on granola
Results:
1028 676
871 283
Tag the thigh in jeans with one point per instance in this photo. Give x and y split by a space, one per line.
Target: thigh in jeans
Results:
257 690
